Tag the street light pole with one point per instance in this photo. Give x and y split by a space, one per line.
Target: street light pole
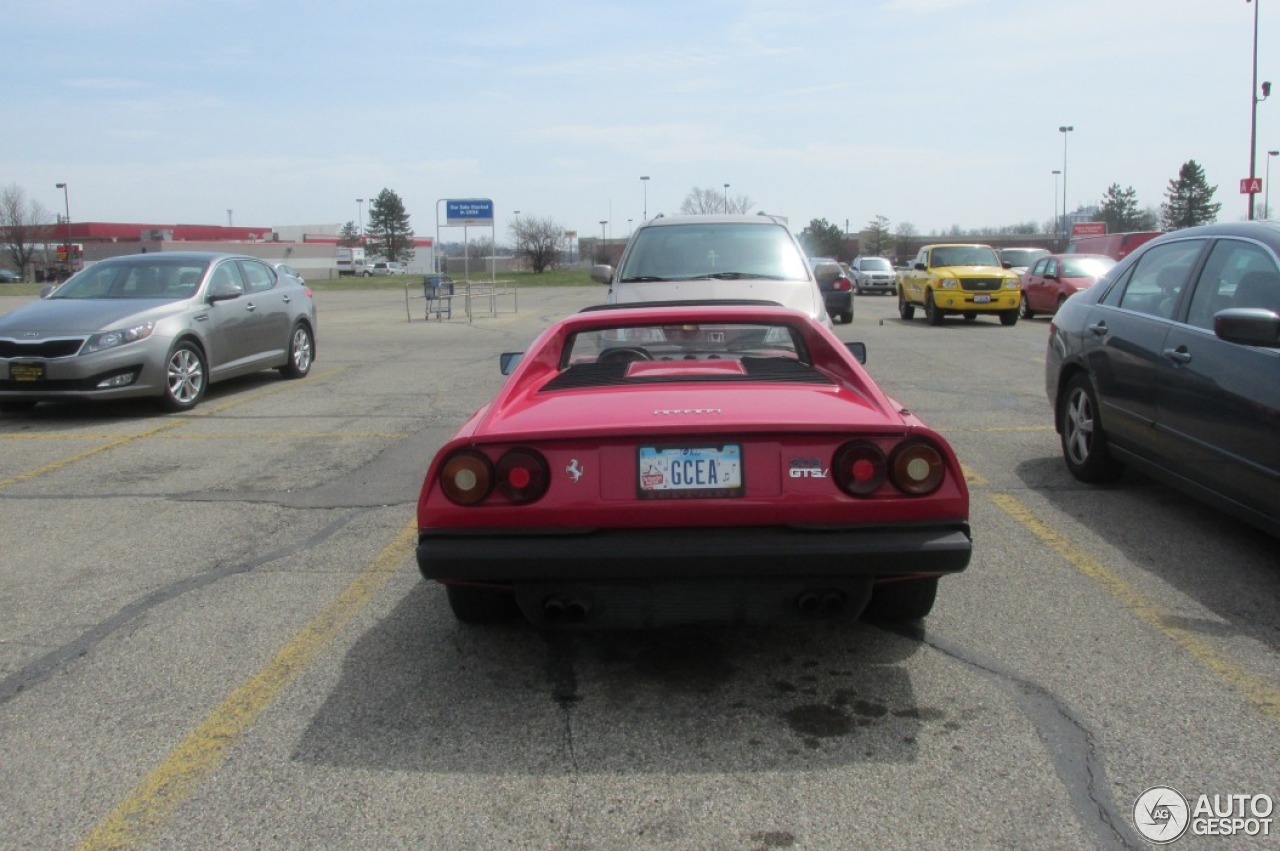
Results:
1266 187
604 249
1054 218
1253 119
360 219
644 181
1064 130
66 222
726 199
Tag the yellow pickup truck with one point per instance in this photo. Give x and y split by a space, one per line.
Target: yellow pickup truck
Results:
964 279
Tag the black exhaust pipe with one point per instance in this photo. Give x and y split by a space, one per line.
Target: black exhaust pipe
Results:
833 603
576 611
553 610
808 603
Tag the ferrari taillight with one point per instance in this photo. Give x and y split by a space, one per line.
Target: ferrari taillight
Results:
859 468
916 467
466 477
522 475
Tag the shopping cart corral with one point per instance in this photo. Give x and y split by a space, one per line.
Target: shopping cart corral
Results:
443 298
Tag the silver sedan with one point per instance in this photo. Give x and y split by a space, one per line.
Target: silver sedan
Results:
162 325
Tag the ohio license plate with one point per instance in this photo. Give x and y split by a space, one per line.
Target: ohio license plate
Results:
676 472
982 299
26 371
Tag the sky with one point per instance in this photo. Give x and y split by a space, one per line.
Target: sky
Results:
938 113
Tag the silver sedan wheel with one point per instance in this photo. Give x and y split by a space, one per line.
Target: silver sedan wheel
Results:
300 351
184 378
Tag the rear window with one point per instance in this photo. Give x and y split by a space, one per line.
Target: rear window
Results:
724 250
697 352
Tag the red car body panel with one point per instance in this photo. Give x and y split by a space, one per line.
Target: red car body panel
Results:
788 431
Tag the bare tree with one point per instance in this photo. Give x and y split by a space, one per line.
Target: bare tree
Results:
538 240
23 223
904 241
706 202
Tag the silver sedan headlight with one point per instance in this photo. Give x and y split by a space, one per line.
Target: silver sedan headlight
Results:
111 339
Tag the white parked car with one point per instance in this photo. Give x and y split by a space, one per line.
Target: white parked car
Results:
387 267
696 258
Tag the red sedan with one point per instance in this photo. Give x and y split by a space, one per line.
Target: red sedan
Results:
699 462
1053 279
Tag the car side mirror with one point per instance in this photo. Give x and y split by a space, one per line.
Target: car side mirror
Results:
920 267
507 361
859 351
225 291
602 274
1249 326
1006 264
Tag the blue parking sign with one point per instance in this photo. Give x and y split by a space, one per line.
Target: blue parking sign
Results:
473 212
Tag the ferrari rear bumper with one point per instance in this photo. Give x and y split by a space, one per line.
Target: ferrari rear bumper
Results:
640 555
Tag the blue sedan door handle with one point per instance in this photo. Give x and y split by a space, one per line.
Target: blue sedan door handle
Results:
251 307
1178 355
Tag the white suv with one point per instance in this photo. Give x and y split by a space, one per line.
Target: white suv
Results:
872 274
683 258
384 267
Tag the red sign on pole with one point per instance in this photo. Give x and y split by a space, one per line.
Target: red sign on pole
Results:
1250 185
1088 228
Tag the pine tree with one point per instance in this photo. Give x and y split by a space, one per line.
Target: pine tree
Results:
1119 209
388 232
1189 199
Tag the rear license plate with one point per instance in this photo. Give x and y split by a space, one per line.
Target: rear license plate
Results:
684 472
26 372
982 299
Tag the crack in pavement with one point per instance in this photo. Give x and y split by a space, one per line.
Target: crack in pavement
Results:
1067 739
44 667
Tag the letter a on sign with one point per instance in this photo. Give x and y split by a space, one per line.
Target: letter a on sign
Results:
1250 185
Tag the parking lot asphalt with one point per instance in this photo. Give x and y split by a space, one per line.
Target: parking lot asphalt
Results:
213 634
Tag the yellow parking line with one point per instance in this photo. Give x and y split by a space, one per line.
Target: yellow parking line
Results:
171 423
176 778
1257 690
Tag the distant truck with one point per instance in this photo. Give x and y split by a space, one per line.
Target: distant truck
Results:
1113 245
351 261
966 279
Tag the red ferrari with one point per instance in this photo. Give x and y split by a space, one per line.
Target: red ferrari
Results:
691 462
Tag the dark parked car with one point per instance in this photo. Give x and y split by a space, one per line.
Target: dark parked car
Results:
1172 365
8 276
837 289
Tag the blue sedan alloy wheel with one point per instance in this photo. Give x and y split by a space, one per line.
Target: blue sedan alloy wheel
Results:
185 378
301 353
1084 443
